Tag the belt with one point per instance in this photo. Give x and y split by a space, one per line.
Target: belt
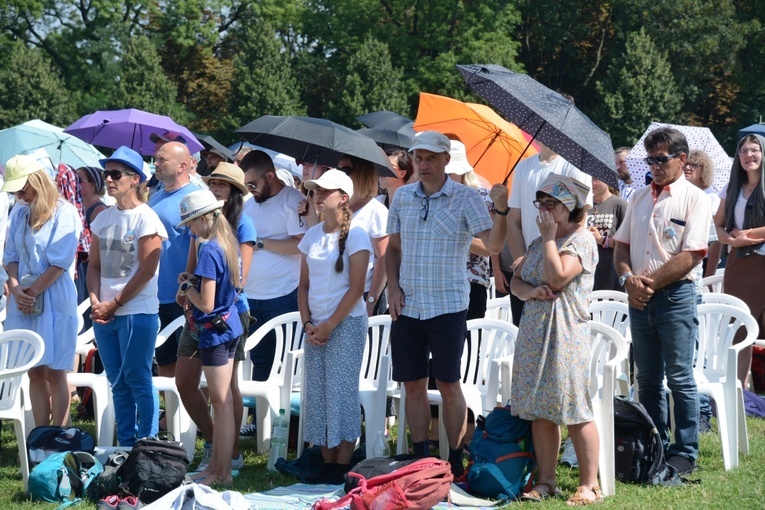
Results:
209 325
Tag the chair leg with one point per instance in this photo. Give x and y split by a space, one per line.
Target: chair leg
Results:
743 434
402 441
724 425
443 440
18 425
103 407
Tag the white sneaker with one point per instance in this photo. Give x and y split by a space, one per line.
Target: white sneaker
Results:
237 463
206 453
568 457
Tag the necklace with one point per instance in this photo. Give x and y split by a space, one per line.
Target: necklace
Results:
750 189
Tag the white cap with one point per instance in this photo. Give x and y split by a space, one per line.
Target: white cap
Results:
332 179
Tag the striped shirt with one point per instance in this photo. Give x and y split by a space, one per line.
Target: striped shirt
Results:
436 233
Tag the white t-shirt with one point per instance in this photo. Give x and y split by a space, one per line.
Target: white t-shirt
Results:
738 213
527 177
326 286
273 275
118 234
373 218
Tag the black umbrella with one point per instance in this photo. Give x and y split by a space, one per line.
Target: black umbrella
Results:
388 138
315 140
546 115
211 144
391 120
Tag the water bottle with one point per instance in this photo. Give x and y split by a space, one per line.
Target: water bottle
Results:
280 430
381 448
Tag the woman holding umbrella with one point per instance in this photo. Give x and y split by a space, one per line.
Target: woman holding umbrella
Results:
44 230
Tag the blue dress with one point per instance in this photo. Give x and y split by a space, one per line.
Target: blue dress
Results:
55 244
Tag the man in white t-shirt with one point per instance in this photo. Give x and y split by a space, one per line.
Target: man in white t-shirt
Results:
271 287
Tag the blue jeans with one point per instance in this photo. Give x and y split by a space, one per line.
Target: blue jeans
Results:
263 310
664 337
126 346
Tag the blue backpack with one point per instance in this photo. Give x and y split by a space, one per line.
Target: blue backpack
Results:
503 455
63 477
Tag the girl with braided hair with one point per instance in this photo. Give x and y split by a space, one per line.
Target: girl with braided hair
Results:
332 275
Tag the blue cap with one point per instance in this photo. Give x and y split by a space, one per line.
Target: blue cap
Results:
128 157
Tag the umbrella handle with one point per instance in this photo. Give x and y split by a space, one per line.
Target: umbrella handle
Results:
524 152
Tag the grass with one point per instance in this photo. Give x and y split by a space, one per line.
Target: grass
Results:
741 488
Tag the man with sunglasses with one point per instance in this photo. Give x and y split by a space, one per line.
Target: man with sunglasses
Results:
431 225
660 245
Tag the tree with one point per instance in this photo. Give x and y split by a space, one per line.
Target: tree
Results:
31 88
370 83
639 88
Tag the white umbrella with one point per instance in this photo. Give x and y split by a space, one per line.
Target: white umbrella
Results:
699 138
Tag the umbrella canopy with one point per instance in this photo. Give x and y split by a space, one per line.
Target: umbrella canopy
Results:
131 127
280 160
699 138
493 145
548 116
391 137
754 129
317 140
211 143
391 120
60 147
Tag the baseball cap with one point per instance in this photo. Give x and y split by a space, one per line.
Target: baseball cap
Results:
167 136
16 171
432 141
332 179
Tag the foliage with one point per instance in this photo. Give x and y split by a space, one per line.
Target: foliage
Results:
31 88
639 88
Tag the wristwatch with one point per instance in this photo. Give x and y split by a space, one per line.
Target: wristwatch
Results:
259 243
623 278
185 286
371 299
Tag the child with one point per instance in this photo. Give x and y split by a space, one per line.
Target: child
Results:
332 276
212 292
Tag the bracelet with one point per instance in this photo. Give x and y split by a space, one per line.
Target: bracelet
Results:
117 301
307 322
502 213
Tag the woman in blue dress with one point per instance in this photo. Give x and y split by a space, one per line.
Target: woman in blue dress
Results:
40 257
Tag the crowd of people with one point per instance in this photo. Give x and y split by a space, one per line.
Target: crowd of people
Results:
242 244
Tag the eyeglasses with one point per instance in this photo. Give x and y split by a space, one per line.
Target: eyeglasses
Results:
547 204
115 175
695 166
659 160
425 208
746 152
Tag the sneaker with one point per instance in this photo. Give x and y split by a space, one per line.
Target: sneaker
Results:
248 431
704 425
129 503
237 463
568 457
206 453
108 503
683 465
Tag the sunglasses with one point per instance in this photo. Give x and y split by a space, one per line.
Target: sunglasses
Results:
659 160
547 204
115 175
345 169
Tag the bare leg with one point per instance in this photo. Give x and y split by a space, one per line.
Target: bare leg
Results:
188 375
417 410
39 395
546 436
59 396
455 412
166 370
236 396
219 387
586 445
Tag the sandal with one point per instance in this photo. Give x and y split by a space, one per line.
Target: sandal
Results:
537 496
578 499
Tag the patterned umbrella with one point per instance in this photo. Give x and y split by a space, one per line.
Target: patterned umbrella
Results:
547 116
699 138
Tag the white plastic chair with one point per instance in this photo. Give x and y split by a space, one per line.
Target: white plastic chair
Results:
717 374
20 350
103 404
724 299
179 423
616 314
713 283
608 351
608 295
480 368
375 379
499 308
274 393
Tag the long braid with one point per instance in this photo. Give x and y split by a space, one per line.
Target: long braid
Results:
345 225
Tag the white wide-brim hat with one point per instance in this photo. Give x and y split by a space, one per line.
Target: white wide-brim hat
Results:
198 203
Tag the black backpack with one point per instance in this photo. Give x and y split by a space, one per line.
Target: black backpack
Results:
42 442
639 455
153 468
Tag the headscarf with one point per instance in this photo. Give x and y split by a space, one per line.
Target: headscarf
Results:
96 176
754 213
571 192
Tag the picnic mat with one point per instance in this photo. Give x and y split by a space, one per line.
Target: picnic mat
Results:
301 495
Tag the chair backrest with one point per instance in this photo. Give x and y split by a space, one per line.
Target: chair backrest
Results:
718 325
499 308
608 349
612 313
713 283
491 290
724 299
608 295
20 350
378 345
168 330
288 329
496 340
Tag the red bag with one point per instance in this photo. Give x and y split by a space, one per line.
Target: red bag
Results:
419 485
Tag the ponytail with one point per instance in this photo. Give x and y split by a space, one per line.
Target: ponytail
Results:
345 225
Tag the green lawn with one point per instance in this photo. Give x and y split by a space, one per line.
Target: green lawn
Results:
741 488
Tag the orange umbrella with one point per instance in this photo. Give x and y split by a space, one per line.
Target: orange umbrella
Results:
493 144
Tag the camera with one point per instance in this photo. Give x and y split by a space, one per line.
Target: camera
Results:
219 323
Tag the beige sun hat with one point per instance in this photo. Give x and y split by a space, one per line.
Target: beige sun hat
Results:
230 173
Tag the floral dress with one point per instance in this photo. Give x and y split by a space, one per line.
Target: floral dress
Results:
551 371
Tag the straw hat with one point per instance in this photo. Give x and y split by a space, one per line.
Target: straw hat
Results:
196 204
230 173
